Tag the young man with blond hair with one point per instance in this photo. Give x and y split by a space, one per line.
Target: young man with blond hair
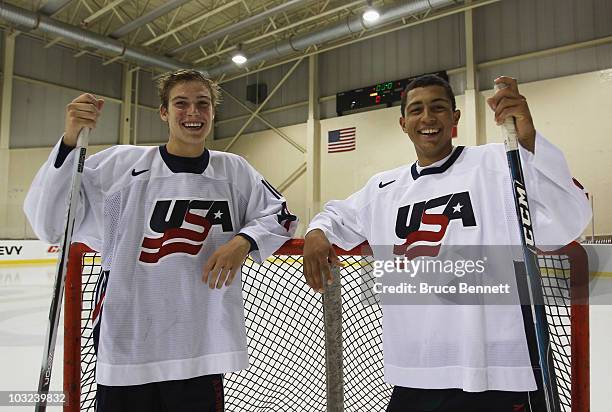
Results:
173 224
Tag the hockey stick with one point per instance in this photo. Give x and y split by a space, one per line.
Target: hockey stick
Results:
60 276
531 262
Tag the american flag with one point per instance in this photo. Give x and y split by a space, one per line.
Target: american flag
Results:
341 140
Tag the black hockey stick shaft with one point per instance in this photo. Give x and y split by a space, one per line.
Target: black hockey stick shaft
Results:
525 222
44 381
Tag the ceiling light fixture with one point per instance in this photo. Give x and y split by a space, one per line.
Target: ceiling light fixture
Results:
239 57
370 14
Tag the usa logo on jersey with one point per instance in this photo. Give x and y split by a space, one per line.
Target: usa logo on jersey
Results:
410 218
183 225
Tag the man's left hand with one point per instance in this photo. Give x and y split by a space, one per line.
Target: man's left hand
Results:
221 267
508 102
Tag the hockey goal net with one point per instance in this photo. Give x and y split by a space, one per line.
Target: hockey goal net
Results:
286 328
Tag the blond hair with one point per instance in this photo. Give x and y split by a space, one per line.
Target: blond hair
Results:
169 80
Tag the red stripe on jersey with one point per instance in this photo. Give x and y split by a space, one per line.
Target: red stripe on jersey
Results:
175 247
426 235
181 233
422 250
96 312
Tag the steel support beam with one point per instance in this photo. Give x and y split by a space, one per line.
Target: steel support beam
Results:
313 142
292 177
99 13
60 86
126 106
52 7
469 116
261 106
147 18
232 28
192 21
5 125
548 52
306 53
136 105
7 89
263 112
278 31
266 122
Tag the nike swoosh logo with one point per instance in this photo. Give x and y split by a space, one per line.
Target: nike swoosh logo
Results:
135 173
381 184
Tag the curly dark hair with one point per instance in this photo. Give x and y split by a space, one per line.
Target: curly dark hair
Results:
424 81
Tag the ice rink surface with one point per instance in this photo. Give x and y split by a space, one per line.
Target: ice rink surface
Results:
25 297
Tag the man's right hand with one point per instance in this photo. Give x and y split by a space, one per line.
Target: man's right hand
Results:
319 255
83 111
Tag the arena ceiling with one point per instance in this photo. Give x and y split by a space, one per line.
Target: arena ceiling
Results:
205 34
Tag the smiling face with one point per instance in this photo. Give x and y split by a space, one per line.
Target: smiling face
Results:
190 115
429 120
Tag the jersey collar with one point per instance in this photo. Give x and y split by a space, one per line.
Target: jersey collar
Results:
180 164
437 169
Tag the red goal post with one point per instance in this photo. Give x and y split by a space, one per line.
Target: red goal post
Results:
579 320
354 376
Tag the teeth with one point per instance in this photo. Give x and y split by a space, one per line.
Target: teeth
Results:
192 124
430 131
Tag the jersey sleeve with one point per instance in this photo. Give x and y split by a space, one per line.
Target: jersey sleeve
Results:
267 219
340 221
559 207
46 202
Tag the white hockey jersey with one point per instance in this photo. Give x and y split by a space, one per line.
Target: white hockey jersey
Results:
471 347
156 218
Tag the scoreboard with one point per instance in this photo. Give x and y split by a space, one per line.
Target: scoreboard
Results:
385 94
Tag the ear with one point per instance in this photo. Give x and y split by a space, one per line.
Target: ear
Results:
402 122
163 113
456 116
